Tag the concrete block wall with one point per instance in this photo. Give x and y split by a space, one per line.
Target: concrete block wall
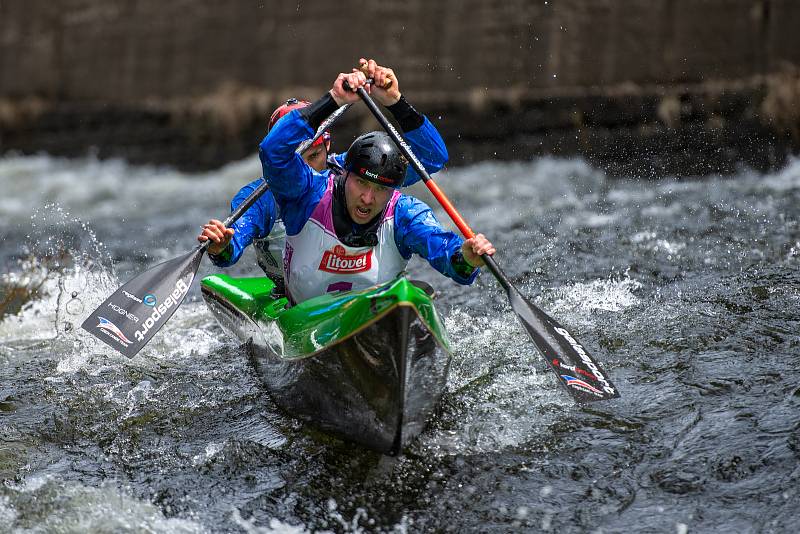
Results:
190 82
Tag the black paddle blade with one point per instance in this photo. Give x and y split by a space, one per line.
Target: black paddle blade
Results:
136 311
577 371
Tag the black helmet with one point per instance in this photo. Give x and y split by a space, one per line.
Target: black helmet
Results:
376 158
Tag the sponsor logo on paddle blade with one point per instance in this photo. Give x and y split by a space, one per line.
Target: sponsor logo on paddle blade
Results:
113 331
563 353
130 317
580 384
593 378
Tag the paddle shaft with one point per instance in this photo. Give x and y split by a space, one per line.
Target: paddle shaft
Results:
322 127
262 188
462 225
577 371
240 210
131 316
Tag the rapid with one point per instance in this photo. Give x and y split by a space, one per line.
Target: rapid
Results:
686 290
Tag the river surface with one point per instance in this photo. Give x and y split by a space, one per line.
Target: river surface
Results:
688 291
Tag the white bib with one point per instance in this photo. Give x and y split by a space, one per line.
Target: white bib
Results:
316 262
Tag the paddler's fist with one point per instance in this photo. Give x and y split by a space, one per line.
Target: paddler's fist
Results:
355 79
472 250
219 235
385 87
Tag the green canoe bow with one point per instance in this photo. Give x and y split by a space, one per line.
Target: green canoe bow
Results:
367 365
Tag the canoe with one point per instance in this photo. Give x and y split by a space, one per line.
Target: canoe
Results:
368 366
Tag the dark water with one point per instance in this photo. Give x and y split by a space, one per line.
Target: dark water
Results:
688 291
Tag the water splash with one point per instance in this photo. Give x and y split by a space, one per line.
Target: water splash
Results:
275 526
359 523
499 394
704 322
72 507
581 299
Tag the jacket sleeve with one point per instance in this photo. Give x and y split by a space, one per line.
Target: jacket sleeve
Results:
418 231
255 223
427 144
289 177
297 188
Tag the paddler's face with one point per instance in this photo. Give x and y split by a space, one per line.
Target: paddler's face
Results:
364 199
316 157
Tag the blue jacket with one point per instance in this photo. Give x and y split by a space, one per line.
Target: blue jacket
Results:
297 189
255 223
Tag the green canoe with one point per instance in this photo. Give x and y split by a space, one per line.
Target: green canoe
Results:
368 366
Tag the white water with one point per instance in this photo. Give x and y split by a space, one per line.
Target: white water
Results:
683 289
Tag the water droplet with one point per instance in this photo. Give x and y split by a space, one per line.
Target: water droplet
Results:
74 307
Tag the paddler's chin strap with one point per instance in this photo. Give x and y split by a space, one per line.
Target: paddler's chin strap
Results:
366 235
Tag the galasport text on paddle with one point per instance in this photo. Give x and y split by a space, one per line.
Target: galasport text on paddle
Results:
576 369
129 318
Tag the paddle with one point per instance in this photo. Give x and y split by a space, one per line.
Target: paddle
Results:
130 317
577 371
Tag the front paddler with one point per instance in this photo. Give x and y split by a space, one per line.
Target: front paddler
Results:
351 228
228 244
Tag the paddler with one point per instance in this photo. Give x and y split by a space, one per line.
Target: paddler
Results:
256 224
351 227
228 244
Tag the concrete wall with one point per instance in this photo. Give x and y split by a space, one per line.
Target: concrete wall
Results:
190 82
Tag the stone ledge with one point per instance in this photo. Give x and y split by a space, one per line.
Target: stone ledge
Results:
627 130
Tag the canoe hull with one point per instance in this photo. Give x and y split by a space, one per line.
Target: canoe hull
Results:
375 385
